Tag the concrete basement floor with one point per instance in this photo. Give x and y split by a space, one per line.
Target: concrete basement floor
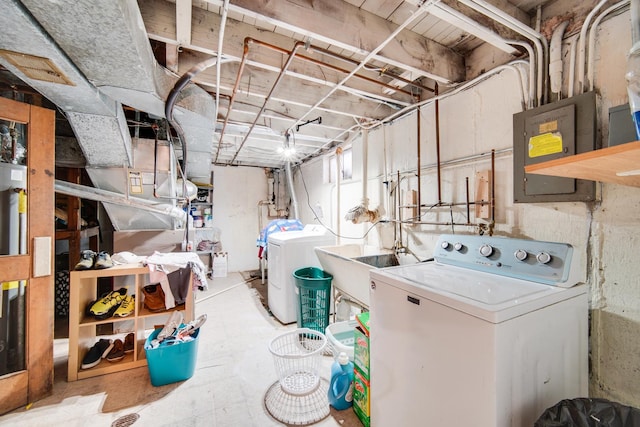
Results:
233 372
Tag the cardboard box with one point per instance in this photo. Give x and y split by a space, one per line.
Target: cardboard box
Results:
361 402
220 264
361 344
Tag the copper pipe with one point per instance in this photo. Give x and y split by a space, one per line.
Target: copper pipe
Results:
283 71
334 67
467 188
493 186
418 170
245 53
438 144
382 72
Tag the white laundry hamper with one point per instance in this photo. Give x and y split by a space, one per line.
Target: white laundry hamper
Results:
299 397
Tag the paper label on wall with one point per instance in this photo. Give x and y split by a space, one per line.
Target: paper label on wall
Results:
545 144
135 182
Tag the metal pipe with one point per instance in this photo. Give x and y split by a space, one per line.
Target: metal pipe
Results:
415 15
342 70
283 71
439 176
338 173
468 203
223 23
449 205
418 165
582 42
539 41
555 59
173 96
245 53
572 68
399 209
592 39
532 69
383 72
493 186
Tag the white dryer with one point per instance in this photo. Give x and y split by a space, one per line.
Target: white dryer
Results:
288 251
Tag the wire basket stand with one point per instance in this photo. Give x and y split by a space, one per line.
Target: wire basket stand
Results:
299 397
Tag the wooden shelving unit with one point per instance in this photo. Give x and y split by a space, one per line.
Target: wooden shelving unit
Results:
619 164
83 329
206 231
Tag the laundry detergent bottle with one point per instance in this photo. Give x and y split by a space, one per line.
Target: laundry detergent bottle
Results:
341 386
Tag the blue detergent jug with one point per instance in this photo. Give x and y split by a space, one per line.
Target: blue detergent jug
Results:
341 386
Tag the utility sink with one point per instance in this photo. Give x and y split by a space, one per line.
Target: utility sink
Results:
350 265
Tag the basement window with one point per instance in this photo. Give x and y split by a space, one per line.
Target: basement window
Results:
331 165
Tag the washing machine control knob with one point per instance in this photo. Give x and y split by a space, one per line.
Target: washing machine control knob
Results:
543 257
457 246
444 244
521 255
486 250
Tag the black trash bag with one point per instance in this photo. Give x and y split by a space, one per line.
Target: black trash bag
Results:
586 412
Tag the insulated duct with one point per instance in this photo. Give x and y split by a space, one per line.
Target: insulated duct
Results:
91 193
106 57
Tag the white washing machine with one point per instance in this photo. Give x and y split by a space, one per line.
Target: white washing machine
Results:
288 251
489 335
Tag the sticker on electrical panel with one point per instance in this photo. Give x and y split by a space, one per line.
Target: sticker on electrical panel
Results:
545 144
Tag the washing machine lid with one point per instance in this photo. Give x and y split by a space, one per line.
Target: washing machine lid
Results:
489 296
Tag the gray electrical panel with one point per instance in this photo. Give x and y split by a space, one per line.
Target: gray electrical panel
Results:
553 131
621 127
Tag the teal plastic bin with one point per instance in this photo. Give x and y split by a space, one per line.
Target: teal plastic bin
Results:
171 363
314 297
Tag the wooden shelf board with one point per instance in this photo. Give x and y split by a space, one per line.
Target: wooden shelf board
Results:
74 234
116 270
603 165
106 367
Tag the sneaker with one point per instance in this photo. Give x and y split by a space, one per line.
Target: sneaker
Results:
107 305
86 260
126 306
96 353
129 342
102 261
117 352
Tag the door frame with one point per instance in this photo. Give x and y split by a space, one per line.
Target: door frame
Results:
36 381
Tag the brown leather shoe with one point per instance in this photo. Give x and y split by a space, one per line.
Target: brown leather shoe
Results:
117 352
153 297
129 342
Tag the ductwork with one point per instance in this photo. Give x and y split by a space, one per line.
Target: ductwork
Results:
105 54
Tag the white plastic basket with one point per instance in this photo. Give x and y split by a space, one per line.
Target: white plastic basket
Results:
340 337
297 356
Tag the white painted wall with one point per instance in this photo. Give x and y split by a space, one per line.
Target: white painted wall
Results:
474 122
236 194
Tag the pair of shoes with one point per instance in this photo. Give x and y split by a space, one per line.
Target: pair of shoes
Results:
129 342
91 260
117 351
126 306
154 298
106 306
99 351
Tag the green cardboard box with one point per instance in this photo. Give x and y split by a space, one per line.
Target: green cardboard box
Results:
361 403
361 345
